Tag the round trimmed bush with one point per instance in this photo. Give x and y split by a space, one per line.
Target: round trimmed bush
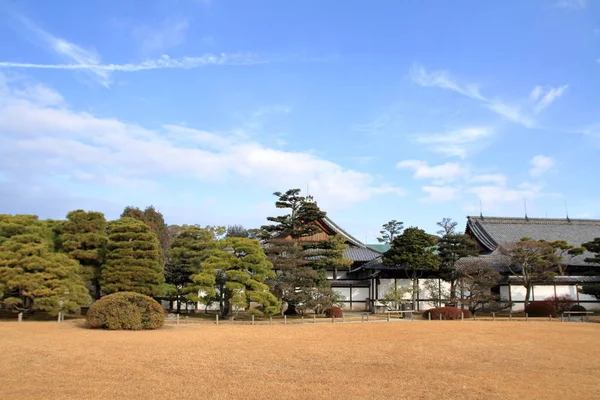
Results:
447 313
578 307
540 309
334 311
126 310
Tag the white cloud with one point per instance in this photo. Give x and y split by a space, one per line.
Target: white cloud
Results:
540 165
544 96
439 194
444 80
447 172
42 142
457 142
70 52
171 33
499 179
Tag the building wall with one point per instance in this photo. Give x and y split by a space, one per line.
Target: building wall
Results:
541 292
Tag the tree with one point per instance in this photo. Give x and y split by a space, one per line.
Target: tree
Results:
133 259
531 260
593 289
237 231
155 220
448 227
32 276
188 250
453 247
84 237
390 231
435 293
395 297
300 222
328 255
476 281
236 274
413 251
284 249
565 253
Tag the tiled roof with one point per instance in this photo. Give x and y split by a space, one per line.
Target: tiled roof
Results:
563 279
361 253
340 231
492 232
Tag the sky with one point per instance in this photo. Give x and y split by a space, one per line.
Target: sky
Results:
405 110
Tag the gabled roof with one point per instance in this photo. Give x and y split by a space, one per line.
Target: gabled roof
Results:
491 232
357 250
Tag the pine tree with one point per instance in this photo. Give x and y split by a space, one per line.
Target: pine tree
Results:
190 247
413 251
236 274
155 220
389 231
32 276
453 247
133 259
84 237
300 221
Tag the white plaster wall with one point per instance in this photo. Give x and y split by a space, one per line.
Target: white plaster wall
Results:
517 293
345 292
329 274
504 292
541 292
384 285
359 294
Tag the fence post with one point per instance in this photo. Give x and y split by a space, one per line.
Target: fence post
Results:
343 318
285 319
562 317
429 316
59 317
440 316
314 318
388 317
178 319
302 319
362 318
252 319
550 317
510 316
367 317
526 317
569 317
493 316
270 320
217 318
20 317
186 319
462 316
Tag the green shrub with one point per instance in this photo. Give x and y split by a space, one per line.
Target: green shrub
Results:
541 309
578 307
335 312
447 313
126 310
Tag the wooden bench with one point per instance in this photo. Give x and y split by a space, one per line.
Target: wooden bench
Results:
388 312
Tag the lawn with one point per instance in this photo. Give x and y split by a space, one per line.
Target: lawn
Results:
379 360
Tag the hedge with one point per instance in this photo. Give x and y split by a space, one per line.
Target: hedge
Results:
125 310
334 311
541 309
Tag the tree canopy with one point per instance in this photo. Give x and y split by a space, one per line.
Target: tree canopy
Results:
389 231
303 213
133 259
32 275
155 220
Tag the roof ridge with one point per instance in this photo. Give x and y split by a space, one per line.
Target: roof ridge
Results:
523 220
342 232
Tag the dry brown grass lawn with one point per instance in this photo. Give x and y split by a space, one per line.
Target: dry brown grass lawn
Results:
398 360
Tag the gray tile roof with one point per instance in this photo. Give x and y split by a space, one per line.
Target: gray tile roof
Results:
349 282
361 253
492 232
563 279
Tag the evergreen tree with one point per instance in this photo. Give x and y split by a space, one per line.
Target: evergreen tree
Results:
453 247
390 231
155 220
190 247
236 274
565 253
133 259
448 227
593 289
287 252
32 276
413 251
237 231
84 237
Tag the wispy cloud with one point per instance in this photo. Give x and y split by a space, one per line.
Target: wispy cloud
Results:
540 164
447 172
70 52
512 112
171 33
457 142
544 96
577 4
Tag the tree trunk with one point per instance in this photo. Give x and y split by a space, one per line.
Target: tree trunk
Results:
527 293
97 289
415 290
178 304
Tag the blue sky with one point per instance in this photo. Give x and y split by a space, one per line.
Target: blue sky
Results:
411 111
